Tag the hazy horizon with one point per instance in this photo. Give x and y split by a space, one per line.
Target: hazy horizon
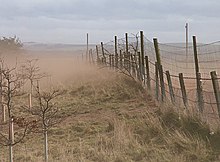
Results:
68 21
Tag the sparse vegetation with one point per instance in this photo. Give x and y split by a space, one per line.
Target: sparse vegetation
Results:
119 122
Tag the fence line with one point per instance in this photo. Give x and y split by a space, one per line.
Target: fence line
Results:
175 74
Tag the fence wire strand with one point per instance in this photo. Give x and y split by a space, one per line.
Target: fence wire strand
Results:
175 58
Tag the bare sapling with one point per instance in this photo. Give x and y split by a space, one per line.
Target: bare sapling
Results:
31 72
46 112
11 83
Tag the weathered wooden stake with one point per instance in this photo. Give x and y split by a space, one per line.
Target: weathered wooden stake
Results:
125 61
216 89
157 51
200 93
139 67
126 52
183 90
126 43
45 145
142 54
198 78
195 55
157 81
162 85
147 72
87 46
103 53
11 139
30 100
116 52
116 61
169 81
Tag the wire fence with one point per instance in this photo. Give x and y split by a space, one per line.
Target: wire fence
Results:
175 78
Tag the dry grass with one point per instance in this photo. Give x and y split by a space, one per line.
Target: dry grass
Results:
111 118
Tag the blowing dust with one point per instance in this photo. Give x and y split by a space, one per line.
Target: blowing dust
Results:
60 69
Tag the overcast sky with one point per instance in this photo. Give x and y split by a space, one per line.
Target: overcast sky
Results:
68 21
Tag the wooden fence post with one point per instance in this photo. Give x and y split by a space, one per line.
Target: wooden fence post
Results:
142 54
200 93
147 72
183 90
162 85
11 139
198 78
169 81
30 100
136 66
195 55
87 46
125 61
103 53
157 81
129 62
116 61
139 67
116 52
216 89
45 145
157 51
126 52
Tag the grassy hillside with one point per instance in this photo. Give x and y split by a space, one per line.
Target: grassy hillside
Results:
111 118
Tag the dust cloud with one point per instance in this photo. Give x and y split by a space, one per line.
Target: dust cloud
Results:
61 69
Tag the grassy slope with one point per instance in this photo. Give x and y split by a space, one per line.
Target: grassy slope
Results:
114 119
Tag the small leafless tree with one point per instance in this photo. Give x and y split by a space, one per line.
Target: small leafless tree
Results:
46 113
31 71
11 82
